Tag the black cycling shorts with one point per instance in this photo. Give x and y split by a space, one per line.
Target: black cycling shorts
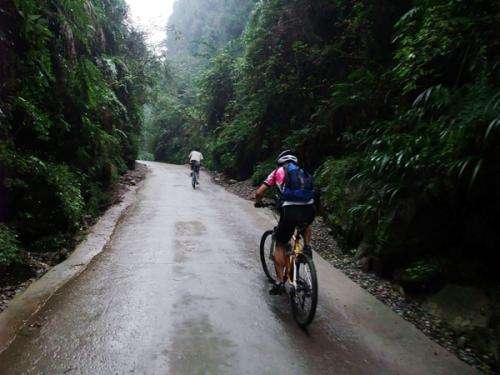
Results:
195 165
290 218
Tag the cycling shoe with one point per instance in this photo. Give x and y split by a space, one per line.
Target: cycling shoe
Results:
307 251
277 289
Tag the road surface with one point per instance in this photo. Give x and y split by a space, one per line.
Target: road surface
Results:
180 290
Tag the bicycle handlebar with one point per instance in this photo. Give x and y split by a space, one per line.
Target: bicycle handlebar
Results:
268 202
263 204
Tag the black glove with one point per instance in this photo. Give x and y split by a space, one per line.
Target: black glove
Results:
258 204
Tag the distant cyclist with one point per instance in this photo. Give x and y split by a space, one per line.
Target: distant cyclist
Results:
195 158
296 207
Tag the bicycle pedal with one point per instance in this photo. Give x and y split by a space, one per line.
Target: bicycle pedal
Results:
289 287
277 289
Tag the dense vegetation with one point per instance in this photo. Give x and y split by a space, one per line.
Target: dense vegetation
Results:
71 97
198 30
394 105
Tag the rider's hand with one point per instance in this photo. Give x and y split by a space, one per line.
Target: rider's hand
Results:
258 204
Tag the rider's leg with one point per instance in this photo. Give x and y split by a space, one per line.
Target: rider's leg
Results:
307 241
279 261
283 234
310 213
308 235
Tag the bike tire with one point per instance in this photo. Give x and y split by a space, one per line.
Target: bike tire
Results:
264 256
304 321
193 181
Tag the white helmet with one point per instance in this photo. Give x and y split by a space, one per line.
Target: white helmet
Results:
286 156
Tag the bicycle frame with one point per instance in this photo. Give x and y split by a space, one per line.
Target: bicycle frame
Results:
299 289
296 246
297 251
195 174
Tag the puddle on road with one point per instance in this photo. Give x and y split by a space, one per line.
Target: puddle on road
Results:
189 228
190 300
198 348
188 240
183 248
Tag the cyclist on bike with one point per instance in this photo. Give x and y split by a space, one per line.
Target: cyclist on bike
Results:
195 158
296 207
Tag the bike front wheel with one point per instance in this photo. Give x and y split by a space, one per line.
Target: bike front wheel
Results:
304 298
267 244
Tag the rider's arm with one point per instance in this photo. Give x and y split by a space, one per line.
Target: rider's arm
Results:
269 182
260 193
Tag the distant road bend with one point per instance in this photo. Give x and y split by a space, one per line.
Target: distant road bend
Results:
180 290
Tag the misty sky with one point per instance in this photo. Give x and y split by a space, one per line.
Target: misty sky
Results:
151 16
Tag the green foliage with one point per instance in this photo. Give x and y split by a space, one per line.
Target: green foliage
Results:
144 155
198 29
74 83
9 247
216 90
421 271
262 170
342 199
195 84
58 206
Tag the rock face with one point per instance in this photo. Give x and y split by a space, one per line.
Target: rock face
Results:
365 264
464 308
470 312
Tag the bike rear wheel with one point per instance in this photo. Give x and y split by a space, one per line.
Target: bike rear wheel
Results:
304 298
267 244
193 180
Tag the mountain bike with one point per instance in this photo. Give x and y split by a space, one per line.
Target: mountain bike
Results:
302 285
194 179
195 175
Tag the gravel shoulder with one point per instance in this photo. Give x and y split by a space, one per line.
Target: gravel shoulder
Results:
408 307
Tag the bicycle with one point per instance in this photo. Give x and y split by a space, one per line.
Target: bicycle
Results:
302 285
195 170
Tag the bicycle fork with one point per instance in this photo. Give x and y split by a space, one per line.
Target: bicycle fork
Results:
297 250
295 274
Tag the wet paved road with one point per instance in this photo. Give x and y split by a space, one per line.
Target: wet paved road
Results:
180 291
